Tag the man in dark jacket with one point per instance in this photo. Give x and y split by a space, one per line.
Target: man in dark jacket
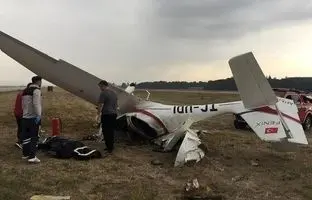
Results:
31 104
107 109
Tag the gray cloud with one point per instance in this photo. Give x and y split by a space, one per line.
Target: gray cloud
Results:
213 19
200 30
140 39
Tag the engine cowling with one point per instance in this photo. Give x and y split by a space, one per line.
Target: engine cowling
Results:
144 124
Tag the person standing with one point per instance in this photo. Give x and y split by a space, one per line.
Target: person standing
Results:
18 113
107 109
32 108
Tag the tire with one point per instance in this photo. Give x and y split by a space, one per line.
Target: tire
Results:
307 124
239 125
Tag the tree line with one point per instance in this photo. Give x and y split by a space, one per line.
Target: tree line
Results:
228 84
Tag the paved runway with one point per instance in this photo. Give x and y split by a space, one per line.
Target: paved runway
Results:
10 88
181 90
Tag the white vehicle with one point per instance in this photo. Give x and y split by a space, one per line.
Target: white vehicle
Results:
272 118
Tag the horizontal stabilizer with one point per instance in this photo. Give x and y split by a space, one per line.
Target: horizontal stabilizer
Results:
254 89
279 123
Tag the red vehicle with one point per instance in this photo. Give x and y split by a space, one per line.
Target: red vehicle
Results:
302 99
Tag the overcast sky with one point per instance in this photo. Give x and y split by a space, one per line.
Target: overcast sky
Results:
147 40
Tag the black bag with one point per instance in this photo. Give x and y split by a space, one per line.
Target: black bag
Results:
61 147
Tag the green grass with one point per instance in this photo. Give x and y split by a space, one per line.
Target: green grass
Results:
128 174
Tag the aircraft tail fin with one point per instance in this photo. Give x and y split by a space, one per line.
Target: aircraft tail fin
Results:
271 118
253 87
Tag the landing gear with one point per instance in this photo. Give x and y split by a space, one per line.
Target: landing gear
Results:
239 125
307 124
239 122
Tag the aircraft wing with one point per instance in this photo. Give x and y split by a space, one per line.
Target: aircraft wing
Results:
60 72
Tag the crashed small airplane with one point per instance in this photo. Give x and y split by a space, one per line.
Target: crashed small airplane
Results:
166 125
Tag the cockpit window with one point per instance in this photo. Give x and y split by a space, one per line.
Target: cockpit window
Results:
295 98
279 93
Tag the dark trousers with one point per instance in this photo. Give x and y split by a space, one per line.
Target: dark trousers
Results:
30 137
19 129
108 128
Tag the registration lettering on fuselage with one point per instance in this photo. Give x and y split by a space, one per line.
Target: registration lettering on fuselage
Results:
191 108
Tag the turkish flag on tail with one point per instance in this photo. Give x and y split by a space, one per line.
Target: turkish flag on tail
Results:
271 130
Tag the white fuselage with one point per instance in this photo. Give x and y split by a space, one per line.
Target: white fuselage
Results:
168 119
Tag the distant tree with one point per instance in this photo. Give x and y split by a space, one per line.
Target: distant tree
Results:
227 84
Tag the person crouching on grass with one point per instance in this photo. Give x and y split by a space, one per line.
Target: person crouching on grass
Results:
31 104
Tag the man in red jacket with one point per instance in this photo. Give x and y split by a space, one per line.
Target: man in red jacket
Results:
18 113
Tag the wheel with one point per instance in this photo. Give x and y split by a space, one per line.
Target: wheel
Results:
307 123
239 125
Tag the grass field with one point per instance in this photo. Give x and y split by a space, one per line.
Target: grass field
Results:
228 167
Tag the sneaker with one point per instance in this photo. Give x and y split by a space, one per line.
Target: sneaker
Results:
34 160
19 145
25 157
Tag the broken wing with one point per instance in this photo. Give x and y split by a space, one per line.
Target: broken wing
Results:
59 72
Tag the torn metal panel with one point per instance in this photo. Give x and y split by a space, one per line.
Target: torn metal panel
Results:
189 149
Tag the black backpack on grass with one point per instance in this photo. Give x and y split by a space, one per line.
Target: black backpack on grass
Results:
61 147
